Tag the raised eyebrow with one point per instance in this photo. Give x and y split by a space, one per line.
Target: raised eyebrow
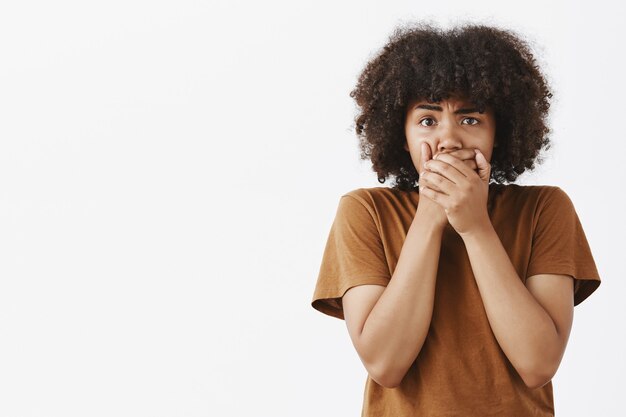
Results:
466 110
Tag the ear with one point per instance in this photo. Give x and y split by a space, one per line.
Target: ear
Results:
406 146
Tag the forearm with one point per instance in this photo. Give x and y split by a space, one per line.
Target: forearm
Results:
523 329
396 328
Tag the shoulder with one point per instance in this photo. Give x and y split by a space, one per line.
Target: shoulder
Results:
374 195
382 201
368 193
538 194
544 203
529 189
547 195
528 201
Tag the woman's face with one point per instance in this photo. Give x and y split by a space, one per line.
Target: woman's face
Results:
446 126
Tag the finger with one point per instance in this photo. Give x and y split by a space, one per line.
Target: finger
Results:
471 163
437 182
441 184
484 167
464 153
436 196
451 167
468 156
426 155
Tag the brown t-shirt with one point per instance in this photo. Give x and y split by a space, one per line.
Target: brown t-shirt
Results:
461 370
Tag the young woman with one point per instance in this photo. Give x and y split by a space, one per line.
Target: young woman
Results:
458 295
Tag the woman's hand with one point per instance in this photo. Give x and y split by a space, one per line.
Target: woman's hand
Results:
459 190
425 206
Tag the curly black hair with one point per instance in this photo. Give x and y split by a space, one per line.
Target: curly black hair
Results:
490 66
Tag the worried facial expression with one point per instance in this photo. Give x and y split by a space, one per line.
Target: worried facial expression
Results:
448 125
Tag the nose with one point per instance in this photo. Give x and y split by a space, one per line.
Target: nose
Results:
449 139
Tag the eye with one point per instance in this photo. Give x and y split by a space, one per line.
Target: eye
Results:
471 118
424 119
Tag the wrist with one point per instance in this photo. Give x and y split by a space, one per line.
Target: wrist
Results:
426 222
479 231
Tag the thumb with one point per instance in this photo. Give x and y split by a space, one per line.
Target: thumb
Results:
484 167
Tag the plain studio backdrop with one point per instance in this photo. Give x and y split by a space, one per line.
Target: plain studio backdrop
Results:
169 172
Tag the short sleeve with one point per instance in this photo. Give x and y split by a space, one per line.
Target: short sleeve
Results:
354 255
559 244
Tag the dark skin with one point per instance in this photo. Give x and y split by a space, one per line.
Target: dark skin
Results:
455 181
531 320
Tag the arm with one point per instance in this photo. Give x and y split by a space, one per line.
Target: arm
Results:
395 329
532 336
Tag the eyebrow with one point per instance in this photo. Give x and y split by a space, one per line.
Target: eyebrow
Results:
438 108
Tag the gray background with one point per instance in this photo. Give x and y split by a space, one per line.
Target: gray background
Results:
169 172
